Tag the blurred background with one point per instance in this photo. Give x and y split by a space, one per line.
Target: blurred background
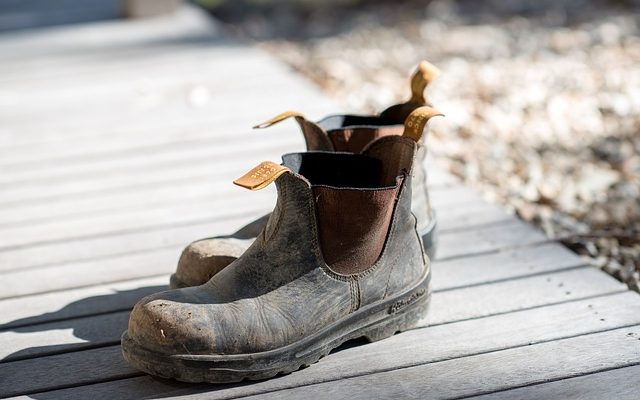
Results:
542 98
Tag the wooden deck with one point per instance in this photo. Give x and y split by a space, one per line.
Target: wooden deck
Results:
118 144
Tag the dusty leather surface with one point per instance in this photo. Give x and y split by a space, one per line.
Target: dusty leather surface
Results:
212 254
280 290
341 133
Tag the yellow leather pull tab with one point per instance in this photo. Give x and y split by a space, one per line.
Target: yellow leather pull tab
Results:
416 121
261 176
424 75
278 118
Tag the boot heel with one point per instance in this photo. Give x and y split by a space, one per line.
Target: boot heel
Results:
405 320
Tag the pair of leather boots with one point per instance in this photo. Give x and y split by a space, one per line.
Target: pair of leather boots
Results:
345 254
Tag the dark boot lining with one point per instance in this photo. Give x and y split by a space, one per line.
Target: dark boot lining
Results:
340 170
333 122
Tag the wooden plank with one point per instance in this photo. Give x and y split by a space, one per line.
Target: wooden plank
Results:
39 308
193 190
503 265
488 239
61 337
83 40
144 87
119 141
77 303
36 14
52 253
99 175
28 376
619 384
224 206
222 201
469 214
485 372
456 309
70 132
460 343
168 244
174 109
86 249
177 100
142 179
512 295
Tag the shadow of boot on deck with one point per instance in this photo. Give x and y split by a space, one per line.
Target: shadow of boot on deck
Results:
97 321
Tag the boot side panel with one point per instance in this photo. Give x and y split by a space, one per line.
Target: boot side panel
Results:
402 263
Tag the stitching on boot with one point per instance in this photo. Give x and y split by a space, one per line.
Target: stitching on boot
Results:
354 294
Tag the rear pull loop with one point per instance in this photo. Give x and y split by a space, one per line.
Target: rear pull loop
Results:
422 77
278 118
261 176
416 122
315 137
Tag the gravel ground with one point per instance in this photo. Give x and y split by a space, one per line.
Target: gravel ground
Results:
542 100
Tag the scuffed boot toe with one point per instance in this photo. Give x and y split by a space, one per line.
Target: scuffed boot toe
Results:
171 323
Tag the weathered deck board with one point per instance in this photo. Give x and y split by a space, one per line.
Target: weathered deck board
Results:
449 306
69 275
75 303
109 166
205 203
486 372
192 190
460 342
619 384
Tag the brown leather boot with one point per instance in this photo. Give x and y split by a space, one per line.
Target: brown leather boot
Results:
341 133
339 258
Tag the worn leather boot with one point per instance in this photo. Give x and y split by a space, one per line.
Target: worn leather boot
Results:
342 133
340 258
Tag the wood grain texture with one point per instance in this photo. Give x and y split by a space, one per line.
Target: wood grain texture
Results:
210 202
27 376
518 294
450 306
63 336
503 265
208 196
486 372
619 384
197 187
485 239
72 303
473 348
117 148
166 244
75 303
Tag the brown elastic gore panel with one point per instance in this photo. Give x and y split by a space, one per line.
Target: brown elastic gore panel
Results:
353 225
353 140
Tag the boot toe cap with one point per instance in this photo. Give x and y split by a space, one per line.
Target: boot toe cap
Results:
171 323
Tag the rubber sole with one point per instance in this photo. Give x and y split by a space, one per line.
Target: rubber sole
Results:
373 322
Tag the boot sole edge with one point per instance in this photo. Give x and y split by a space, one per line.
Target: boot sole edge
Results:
374 322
